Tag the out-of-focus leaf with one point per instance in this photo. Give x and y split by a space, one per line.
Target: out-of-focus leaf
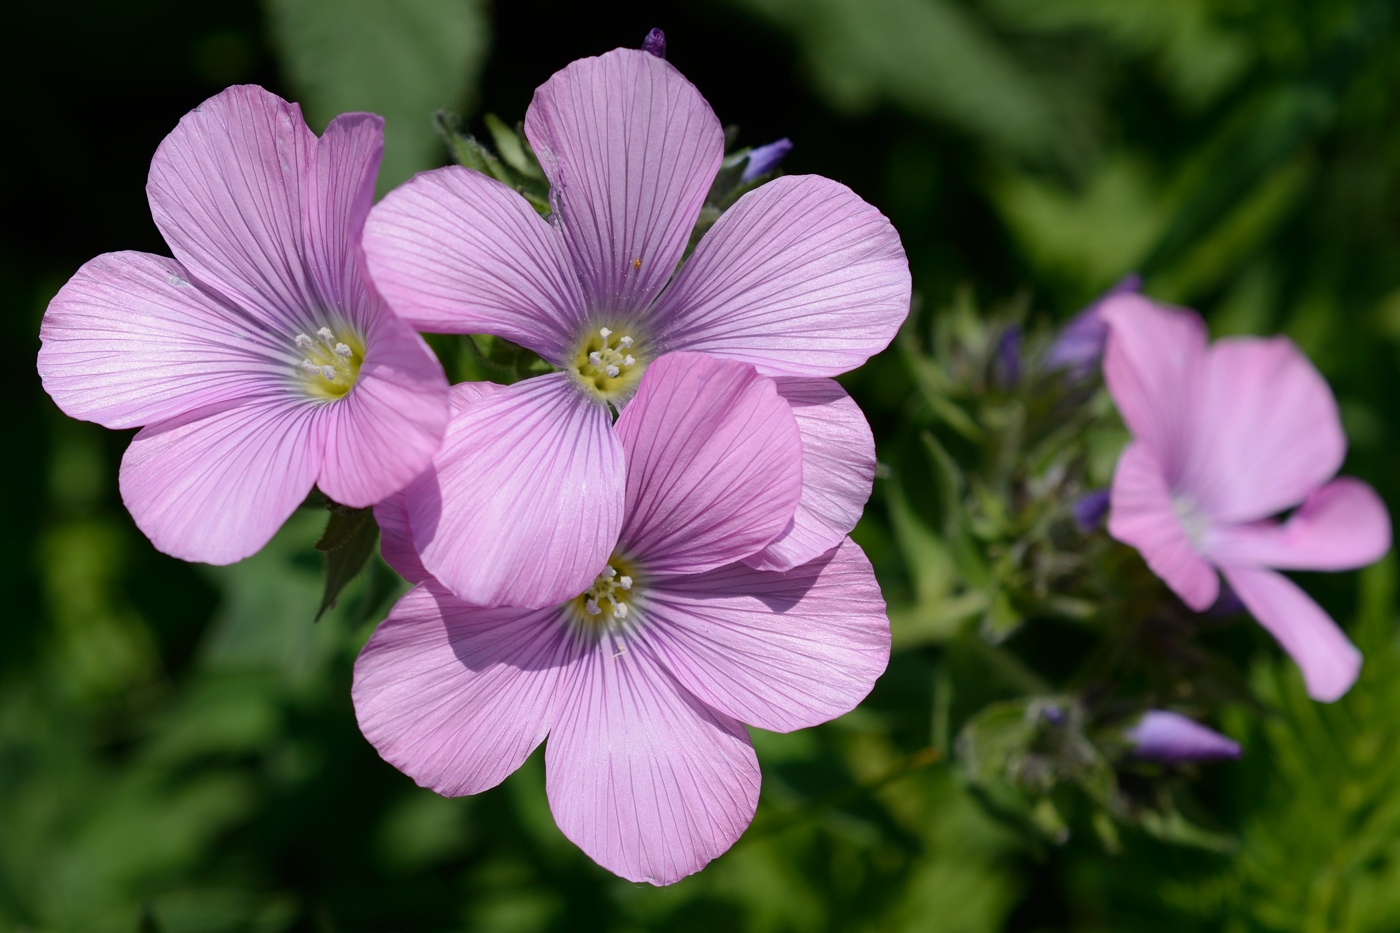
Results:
931 56
402 59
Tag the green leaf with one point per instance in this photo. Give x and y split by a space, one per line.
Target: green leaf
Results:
348 543
402 59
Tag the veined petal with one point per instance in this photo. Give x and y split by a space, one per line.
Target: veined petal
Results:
455 696
1266 432
385 430
780 651
838 471
1154 365
1342 526
396 539
395 532
130 340
714 464
525 502
630 148
337 196
1329 661
800 277
453 251
226 192
1141 513
215 485
643 777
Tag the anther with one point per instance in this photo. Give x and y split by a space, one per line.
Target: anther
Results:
628 360
625 583
328 372
342 350
591 607
606 332
612 372
325 334
595 358
625 343
619 610
310 367
304 341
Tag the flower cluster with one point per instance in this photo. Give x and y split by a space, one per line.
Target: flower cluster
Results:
634 555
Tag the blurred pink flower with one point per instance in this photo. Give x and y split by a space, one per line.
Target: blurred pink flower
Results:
800 278
1224 437
642 681
257 360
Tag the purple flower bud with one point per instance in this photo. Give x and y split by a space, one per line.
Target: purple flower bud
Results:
1172 738
1089 510
1009 356
763 159
655 43
1080 345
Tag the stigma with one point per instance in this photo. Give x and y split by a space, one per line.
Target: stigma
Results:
329 365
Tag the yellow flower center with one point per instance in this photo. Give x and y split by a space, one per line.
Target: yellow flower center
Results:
608 602
608 364
330 364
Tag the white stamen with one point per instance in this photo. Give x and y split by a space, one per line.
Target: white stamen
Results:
591 607
325 334
619 610
610 571
342 350
625 582
605 332
625 343
628 360
303 341
612 372
310 367
328 372
595 358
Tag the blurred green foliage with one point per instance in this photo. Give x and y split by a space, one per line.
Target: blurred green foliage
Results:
177 747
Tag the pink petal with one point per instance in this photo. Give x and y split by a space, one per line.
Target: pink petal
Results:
525 503
1154 365
226 192
838 471
395 533
384 432
714 464
396 539
214 486
337 196
780 651
800 277
130 340
1330 662
457 697
453 251
1266 431
1141 513
1342 526
643 777
630 148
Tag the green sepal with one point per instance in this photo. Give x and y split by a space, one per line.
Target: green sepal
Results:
348 543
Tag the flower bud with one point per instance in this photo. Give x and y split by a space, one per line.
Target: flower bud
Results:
655 43
764 159
1172 738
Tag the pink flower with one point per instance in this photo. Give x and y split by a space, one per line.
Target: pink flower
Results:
801 278
643 680
1224 437
257 360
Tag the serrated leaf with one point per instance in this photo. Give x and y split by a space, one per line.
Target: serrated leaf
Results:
348 543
